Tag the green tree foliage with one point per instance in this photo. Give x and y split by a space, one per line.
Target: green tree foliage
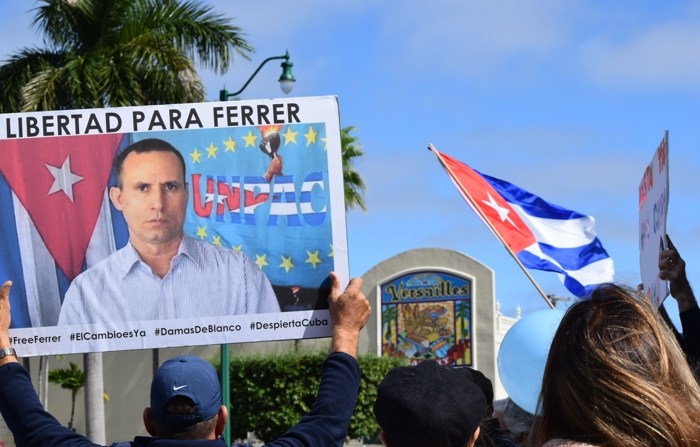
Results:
112 53
72 379
115 53
270 394
103 53
352 181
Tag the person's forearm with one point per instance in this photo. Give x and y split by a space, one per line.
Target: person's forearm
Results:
26 418
683 293
686 301
5 343
690 322
329 419
344 341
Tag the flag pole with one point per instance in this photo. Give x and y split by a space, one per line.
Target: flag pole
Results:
470 201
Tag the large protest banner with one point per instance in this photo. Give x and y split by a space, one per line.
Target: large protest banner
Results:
263 179
653 209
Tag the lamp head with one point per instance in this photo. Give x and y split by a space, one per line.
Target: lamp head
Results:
287 80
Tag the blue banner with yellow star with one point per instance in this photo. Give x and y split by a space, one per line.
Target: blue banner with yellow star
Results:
280 219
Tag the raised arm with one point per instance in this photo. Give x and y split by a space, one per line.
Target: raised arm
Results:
349 312
19 405
5 322
672 268
328 421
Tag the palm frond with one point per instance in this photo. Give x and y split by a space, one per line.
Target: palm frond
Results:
103 53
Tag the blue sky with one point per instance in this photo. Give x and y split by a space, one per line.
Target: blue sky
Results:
566 99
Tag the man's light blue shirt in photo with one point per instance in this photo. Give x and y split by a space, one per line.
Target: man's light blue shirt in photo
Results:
204 280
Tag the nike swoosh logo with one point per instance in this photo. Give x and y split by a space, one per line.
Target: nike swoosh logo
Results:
177 388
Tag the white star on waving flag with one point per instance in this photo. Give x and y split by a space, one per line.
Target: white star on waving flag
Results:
502 211
64 179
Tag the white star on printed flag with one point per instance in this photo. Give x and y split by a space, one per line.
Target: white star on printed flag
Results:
64 179
502 211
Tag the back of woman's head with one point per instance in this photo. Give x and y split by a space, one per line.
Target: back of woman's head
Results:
615 376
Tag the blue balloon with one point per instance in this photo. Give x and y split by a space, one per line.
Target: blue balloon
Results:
523 354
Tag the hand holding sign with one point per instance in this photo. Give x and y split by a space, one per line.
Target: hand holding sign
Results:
672 269
653 209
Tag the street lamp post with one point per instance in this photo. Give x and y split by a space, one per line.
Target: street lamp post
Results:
286 80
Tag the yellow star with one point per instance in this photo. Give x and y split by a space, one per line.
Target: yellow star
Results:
310 136
217 240
261 261
238 247
289 136
330 255
230 145
195 154
201 232
212 150
287 264
313 258
325 143
250 139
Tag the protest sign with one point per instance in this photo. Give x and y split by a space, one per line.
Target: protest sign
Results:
263 180
653 209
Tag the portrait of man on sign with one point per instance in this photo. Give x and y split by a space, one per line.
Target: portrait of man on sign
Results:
153 276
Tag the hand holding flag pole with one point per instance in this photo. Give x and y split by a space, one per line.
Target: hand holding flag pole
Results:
539 235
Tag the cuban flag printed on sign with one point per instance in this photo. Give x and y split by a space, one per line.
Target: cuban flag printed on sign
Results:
55 218
542 235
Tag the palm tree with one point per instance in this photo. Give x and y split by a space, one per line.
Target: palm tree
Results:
71 379
389 315
353 184
103 53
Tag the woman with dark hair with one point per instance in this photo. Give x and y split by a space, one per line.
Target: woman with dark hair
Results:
616 377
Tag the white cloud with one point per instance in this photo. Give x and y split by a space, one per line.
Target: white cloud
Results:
664 55
475 37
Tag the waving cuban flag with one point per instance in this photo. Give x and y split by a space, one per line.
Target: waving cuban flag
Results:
542 236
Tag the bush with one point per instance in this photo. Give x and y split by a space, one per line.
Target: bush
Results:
270 394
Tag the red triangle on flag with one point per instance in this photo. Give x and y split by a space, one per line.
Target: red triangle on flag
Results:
490 205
